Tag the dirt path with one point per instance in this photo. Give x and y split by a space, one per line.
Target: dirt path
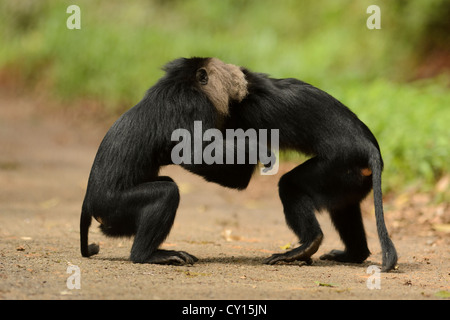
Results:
44 166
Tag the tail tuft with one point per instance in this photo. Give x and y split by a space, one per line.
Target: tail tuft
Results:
92 249
389 255
87 250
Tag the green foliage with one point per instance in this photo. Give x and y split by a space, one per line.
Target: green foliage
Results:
121 47
411 122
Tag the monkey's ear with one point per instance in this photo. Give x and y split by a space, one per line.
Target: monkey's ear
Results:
202 76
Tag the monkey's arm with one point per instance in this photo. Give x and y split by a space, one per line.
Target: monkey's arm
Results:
225 169
235 176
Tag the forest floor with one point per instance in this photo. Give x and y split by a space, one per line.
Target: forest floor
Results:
45 159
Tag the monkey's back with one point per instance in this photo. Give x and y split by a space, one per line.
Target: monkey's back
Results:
309 120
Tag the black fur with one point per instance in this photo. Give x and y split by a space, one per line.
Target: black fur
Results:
128 197
124 190
314 123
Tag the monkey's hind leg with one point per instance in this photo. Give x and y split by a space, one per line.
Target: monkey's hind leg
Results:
299 210
349 224
153 206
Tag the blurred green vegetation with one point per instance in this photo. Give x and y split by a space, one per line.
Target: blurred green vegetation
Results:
119 51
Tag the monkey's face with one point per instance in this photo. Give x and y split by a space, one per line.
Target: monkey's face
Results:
221 83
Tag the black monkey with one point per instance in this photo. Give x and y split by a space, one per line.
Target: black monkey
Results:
125 194
346 163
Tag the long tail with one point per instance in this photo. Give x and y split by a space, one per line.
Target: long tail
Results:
387 247
87 250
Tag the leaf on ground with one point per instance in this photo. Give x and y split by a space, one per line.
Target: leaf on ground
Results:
321 284
286 246
443 227
442 294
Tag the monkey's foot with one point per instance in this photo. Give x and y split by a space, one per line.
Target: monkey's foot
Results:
344 256
302 253
171 257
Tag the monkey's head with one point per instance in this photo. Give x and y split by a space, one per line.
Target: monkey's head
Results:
219 81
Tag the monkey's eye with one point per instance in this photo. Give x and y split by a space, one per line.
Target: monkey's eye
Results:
202 76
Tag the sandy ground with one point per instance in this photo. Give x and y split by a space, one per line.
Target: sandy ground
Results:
44 165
